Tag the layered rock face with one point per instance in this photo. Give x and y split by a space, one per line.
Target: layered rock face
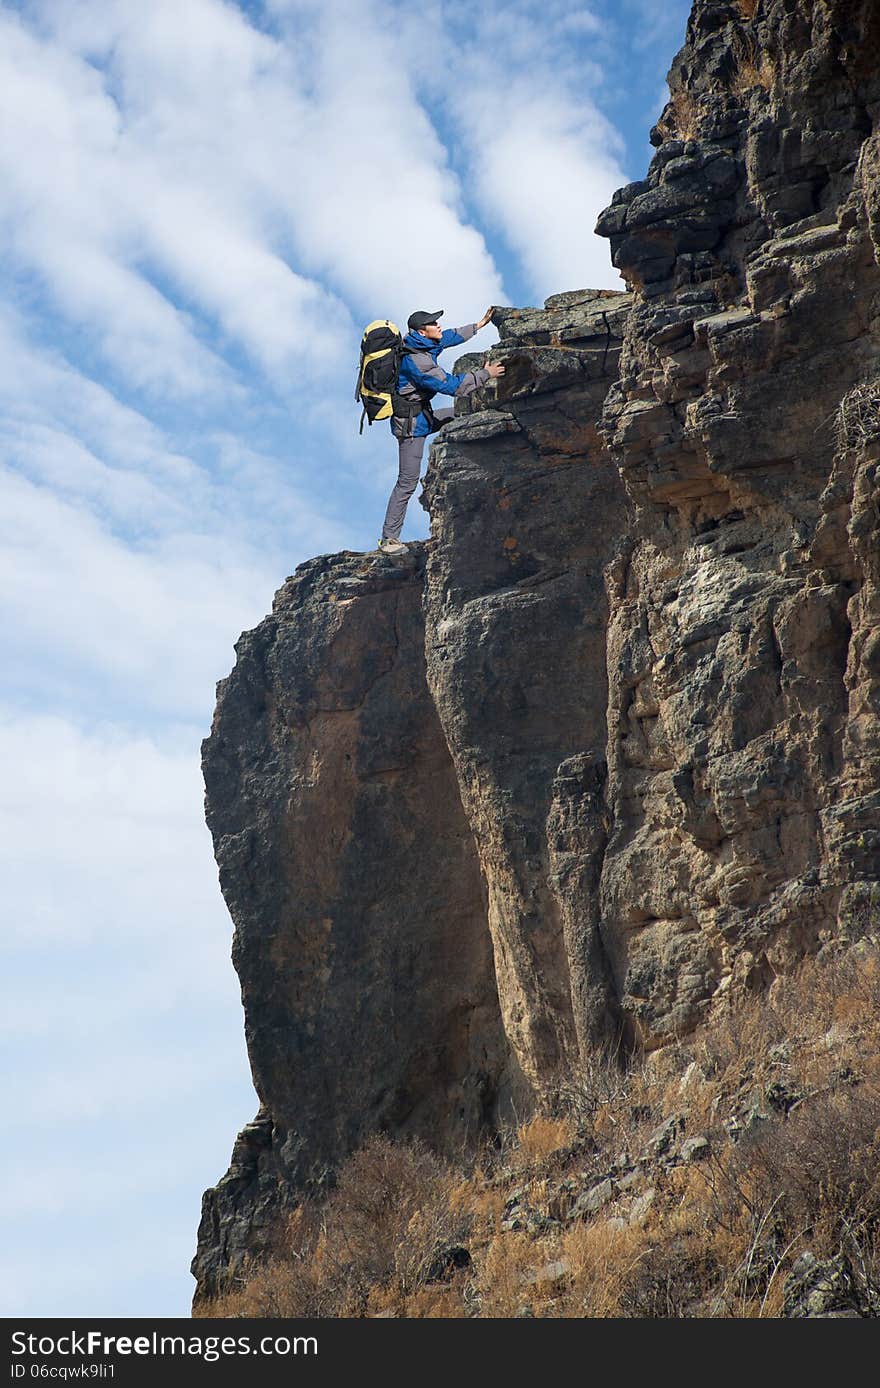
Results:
742 777
527 510
604 752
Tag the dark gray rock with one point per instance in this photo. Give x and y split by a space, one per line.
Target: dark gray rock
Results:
346 861
663 1139
592 1200
739 763
817 1288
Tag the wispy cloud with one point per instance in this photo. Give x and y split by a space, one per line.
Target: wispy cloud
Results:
658 27
128 560
187 176
519 84
118 206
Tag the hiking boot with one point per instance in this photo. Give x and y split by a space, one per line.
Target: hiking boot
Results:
388 546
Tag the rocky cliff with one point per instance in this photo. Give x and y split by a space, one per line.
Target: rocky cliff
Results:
742 774
601 755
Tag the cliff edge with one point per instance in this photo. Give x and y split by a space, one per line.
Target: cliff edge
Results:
602 755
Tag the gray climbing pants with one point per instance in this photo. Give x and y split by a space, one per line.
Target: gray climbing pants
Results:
411 451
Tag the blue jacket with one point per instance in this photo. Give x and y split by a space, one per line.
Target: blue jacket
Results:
421 371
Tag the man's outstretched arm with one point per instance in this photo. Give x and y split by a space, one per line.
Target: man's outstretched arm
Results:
453 336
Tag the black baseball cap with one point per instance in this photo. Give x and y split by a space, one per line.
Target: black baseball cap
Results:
422 319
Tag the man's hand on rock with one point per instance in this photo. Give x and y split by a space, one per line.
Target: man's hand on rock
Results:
494 369
486 318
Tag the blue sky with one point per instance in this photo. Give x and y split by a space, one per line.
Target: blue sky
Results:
192 239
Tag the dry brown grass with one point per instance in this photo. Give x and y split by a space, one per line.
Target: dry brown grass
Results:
685 115
747 8
604 1259
751 75
501 1271
541 1138
784 1085
754 68
680 119
382 1235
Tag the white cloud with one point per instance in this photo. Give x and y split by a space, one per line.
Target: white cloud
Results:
206 176
101 838
541 158
121 557
152 622
63 206
38 384
569 182
191 179
654 26
372 202
120 188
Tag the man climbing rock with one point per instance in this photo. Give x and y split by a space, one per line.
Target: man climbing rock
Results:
421 378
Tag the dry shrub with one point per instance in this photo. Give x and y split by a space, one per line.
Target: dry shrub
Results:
806 1013
671 1280
541 1138
680 118
685 115
487 1205
713 1247
833 985
439 1301
287 1283
614 1101
736 1045
501 1273
278 1289
396 1210
858 416
389 1210
753 67
602 1257
822 1166
807 1181
738 1235
596 1089
751 74
747 8
436 1301
719 1237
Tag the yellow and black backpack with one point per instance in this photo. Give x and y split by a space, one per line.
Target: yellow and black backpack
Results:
382 351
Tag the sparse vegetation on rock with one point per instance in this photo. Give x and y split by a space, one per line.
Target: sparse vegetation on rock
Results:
736 1174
